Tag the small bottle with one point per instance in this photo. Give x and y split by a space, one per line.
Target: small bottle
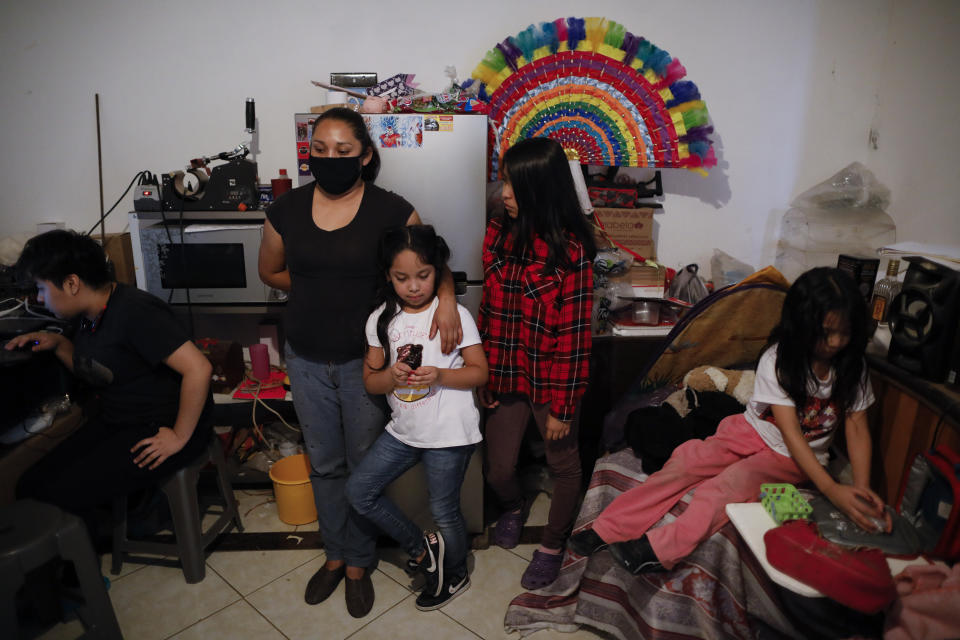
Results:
281 184
884 292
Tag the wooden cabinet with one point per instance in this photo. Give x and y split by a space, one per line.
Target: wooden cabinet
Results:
911 415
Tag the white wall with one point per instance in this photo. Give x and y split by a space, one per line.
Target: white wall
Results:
918 133
792 87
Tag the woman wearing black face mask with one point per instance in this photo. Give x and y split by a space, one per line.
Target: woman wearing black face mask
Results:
320 244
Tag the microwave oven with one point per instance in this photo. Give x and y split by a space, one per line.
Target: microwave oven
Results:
210 254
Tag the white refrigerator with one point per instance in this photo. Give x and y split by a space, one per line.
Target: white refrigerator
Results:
438 163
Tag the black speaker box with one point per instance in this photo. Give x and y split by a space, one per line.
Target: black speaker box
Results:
924 319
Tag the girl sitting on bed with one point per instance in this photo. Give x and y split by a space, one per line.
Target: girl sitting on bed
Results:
810 378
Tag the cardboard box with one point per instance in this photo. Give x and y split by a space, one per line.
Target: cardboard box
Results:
120 252
632 228
647 281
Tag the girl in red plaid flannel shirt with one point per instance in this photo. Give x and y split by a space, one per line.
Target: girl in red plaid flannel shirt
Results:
535 325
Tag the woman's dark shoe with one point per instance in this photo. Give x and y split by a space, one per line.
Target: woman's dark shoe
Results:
636 556
586 543
360 595
323 583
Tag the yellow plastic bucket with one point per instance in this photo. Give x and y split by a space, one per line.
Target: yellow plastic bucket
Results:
291 486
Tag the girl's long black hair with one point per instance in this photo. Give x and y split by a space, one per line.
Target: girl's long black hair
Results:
429 247
538 171
813 295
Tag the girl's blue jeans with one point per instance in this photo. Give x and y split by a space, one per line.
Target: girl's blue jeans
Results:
340 421
445 467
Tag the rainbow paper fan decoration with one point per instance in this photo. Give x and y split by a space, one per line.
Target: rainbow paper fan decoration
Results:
611 97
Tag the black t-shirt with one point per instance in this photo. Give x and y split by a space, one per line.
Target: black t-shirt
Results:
121 356
333 274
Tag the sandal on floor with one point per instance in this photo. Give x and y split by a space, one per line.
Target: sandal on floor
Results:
542 570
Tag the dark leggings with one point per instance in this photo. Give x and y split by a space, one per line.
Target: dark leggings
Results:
94 465
504 435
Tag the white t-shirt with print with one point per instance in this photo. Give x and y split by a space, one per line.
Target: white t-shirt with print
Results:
434 416
818 421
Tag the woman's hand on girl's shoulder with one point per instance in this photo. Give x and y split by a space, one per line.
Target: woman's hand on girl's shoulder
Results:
446 321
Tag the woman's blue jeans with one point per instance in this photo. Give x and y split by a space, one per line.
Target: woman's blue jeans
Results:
340 422
386 461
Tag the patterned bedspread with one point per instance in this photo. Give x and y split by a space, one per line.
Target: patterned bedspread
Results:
720 591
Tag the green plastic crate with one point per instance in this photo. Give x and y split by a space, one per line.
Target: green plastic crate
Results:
783 502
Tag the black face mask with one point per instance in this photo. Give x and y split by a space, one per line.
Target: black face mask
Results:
336 175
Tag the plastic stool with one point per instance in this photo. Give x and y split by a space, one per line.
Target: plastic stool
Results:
191 540
33 533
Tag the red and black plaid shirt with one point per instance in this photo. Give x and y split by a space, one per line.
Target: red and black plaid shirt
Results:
536 328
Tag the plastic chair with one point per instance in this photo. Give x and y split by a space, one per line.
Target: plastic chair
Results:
33 533
191 540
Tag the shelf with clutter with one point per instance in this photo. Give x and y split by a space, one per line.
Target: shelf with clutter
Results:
630 287
612 99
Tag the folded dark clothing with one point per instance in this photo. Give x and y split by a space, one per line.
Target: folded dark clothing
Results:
654 432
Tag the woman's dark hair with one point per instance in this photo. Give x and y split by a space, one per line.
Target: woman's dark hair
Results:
56 254
547 203
429 247
355 121
813 295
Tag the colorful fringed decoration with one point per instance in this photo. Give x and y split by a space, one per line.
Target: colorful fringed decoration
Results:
608 95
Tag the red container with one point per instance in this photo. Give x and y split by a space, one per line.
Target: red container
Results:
260 361
281 184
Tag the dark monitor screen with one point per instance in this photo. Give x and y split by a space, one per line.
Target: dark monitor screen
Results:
202 266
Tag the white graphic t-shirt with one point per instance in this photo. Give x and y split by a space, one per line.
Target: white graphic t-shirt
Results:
434 416
818 420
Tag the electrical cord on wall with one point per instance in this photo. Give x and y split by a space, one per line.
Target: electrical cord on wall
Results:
145 177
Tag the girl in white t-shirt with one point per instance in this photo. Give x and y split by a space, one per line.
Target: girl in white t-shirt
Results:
434 416
811 378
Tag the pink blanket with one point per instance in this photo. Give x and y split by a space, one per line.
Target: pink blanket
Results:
927 606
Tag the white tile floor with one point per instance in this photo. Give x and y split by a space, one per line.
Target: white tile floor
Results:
259 595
